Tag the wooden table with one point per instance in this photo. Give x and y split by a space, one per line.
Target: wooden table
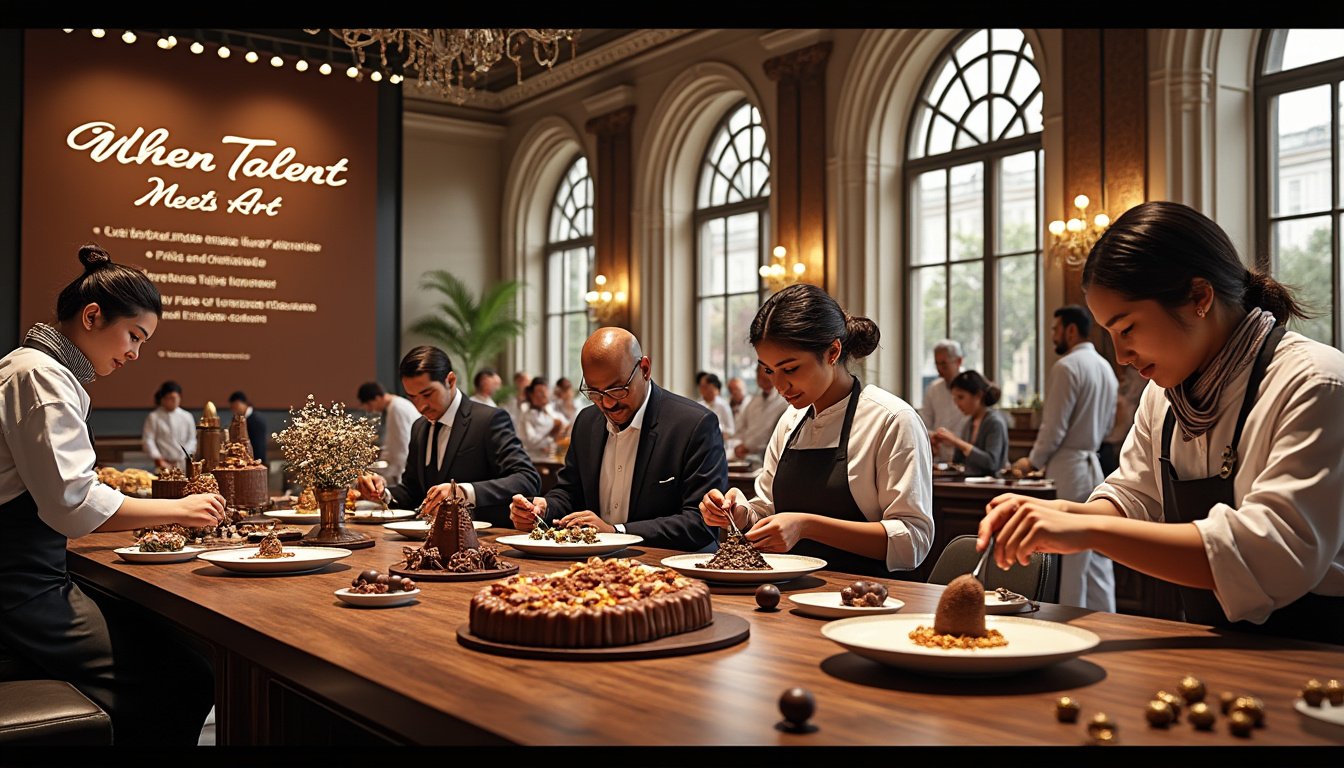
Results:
297 666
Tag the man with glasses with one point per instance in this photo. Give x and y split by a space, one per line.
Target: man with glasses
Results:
638 463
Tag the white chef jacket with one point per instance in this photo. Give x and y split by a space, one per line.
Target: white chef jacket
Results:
535 430
940 410
724 411
166 433
398 417
757 419
1284 534
46 449
890 468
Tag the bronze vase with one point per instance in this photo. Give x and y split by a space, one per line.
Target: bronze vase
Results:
331 530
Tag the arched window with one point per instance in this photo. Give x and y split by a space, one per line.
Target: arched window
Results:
973 173
1299 108
731 220
569 271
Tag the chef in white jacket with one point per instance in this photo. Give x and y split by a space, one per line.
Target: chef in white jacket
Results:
1079 411
1230 483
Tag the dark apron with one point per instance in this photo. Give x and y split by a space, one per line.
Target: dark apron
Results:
816 481
1313 617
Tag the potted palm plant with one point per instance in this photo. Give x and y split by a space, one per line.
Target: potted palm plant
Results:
471 330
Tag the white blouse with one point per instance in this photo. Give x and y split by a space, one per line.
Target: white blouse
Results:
890 468
166 433
46 449
1284 534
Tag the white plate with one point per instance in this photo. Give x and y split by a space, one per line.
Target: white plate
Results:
419 529
304 559
1032 644
606 542
293 516
827 605
783 568
375 600
132 554
362 505
994 605
379 515
1326 712
984 481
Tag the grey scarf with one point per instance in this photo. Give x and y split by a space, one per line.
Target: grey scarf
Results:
47 339
1196 403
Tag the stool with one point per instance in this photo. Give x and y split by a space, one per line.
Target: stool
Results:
50 712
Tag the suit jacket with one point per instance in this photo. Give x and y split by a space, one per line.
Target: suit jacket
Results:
483 450
989 449
257 436
680 440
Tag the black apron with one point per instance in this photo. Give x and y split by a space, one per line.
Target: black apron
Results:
1313 617
816 481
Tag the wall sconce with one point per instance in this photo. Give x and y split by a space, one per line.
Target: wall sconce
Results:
1073 240
779 274
605 305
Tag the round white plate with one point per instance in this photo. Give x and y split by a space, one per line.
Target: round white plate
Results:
783 568
994 605
379 515
1326 712
364 505
606 542
293 516
132 554
827 605
983 481
244 561
419 529
1032 644
375 600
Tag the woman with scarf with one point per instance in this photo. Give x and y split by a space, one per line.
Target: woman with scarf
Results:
156 691
1231 481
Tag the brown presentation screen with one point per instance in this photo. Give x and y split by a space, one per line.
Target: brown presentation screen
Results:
246 192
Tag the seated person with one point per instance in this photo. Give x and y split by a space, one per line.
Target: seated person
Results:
540 424
454 439
757 421
982 446
640 461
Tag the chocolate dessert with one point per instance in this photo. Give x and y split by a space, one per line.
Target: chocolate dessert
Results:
577 534
243 480
271 549
736 554
170 484
959 621
162 541
599 603
452 544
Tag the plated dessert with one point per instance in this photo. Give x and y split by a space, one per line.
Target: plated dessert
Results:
959 621
452 549
736 554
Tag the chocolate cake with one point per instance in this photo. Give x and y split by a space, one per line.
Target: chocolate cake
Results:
243 480
599 603
736 554
170 484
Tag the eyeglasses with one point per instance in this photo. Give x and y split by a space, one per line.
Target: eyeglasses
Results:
615 393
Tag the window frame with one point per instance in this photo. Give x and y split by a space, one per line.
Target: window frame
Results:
558 249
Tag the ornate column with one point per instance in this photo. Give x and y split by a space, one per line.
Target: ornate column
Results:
613 194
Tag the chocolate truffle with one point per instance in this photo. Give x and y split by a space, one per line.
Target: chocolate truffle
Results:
961 609
1066 710
1201 716
767 596
797 705
1191 689
1159 713
1313 693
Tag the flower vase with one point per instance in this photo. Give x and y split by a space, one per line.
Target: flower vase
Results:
331 530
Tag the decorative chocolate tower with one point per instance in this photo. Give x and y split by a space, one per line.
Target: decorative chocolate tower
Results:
209 436
452 530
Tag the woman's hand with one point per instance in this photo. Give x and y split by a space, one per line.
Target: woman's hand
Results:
200 510
778 532
714 506
1024 525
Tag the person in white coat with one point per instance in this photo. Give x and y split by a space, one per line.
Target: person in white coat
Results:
939 410
1079 411
169 429
540 423
1230 482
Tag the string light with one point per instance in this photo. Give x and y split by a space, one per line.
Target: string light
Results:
251 57
128 36
301 65
197 48
99 33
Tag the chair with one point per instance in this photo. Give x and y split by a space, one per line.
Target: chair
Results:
1038 580
37 712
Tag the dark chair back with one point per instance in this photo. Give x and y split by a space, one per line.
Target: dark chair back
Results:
1038 580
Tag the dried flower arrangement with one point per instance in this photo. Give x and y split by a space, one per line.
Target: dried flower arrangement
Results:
325 447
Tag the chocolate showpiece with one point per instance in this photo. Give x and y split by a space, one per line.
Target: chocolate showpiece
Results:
452 543
736 554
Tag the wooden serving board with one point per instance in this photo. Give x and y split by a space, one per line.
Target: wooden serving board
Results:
725 630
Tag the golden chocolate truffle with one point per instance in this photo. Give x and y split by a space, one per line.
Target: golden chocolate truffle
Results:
1253 707
961 609
1313 693
1175 702
1159 713
1201 716
1240 724
1225 700
1191 689
1066 710
1101 728
1334 692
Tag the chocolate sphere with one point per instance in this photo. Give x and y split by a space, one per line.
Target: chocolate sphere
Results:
767 596
797 705
369 576
1159 714
1252 707
1176 702
1191 689
382 578
407 585
1225 700
1201 716
1066 710
1334 692
1240 724
1313 693
880 590
847 596
861 588
393 583
1101 728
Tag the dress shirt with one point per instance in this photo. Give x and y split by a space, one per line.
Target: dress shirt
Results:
167 432
535 430
398 417
618 468
445 432
890 468
1284 534
1079 410
484 400
725 413
757 420
940 410
46 449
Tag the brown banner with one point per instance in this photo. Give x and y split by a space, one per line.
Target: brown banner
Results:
246 192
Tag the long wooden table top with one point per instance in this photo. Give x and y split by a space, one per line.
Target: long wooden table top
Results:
402 669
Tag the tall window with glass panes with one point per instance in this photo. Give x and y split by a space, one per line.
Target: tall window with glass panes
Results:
569 271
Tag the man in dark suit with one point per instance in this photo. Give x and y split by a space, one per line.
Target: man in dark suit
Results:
455 439
640 461
256 428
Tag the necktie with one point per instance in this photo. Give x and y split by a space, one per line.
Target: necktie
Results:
434 447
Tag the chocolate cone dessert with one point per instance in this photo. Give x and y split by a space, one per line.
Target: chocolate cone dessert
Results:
452 531
961 609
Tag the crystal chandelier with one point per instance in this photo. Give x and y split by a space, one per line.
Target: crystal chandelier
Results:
1072 241
450 60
